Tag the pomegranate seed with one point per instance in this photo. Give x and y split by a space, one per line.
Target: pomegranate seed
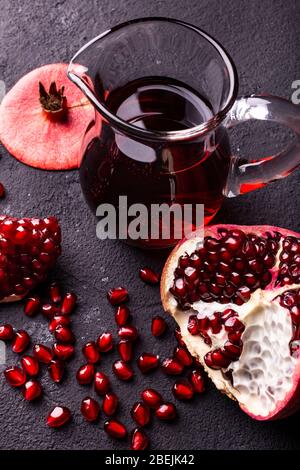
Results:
182 355
158 326
30 365
56 370
32 390
64 334
151 397
197 381
58 320
140 413
90 409
122 370
139 440
128 332
122 315
166 412
42 353
149 276
58 417
147 362
172 366
193 325
2 191
178 336
32 306
49 310
183 390
15 376
216 359
91 352
68 303
117 296
110 403
231 350
6 332
105 342
125 350
102 383
20 342
55 293
63 351
234 324
85 374
115 428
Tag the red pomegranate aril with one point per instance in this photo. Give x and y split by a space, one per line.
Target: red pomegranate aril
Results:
125 350
151 397
166 412
140 413
32 390
90 409
139 440
6 332
197 381
30 365
15 376
232 350
58 320
105 342
49 310
42 353
295 314
183 390
68 303
115 428
55 293
56 370
183 356
216 359
149 276
122 370
234 324
295 348
128 332
20 341
64 334
102 383
91 352
190 274
122 315
193 325
85 374
178 336
235 336
147 362
32 306
172 366
158 326
58 417
63 351
110 403
117 295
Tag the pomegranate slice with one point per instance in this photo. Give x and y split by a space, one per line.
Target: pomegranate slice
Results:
48 127
236 298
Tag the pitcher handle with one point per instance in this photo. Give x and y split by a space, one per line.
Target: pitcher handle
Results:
246 176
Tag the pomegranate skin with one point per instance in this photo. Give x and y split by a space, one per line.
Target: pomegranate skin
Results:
30 365
139 440
32 390
20 341
110 403
90 409
15 376
58 417
115 428
6 332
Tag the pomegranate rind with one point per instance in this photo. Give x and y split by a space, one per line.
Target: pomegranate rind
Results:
28 133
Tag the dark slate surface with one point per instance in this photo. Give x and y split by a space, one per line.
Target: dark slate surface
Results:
263 38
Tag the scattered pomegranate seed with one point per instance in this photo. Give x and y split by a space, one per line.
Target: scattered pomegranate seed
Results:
15 376
158 326
139 440
2 191
90 409
183 390
110 403
125 350
63 351
85 374
183 355
49 310
30 365
151 397
178 336
20 341
115 428
56 370
101 383
58 320
105 342
58 417
32 306
43 353
32 390
128 332
172 366
55 293
122 370
122 315
149 276
68 303
140 413
197 380
91 352
6 332
147 362
117 296
166 412
64 334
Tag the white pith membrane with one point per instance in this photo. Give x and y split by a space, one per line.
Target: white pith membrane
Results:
263 375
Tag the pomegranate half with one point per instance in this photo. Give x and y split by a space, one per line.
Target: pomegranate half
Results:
236 297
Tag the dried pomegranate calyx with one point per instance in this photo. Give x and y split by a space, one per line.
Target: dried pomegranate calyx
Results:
54 101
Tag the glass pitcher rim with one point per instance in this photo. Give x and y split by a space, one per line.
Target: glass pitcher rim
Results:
182 134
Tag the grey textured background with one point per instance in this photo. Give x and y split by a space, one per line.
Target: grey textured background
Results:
263 38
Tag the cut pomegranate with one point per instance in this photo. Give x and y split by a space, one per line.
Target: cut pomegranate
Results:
122 370
30 365
28 249
183 390
56 370
148 362
58 320
151 397
32 390
197 381
139 440
68 303
42 353
166 412
85 374
158 326
117 296
149 276
15 376
125 350
239 313
101 383
115 428
64 334
49 310
140 413
58 417
128 332
122 315
90 409
6 332
20 341
183 356
55 293
48 125
110 403
91 352
105 342
32 306
63 351
172 367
